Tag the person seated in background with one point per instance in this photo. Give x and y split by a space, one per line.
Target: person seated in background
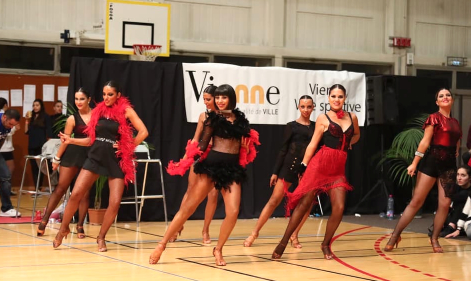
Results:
58 105
463 225
459 200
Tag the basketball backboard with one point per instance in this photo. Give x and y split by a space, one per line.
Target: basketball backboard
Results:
131 22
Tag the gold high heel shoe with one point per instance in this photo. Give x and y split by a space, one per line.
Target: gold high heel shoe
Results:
278 252
393 241
219 259
249 241
295 242
101 244
327 252
436 246
175 236
206 238
153 259
58 239
41 228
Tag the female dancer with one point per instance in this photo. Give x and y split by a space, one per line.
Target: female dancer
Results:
111 154
442 133
297 135
177 169
459 201
326 171
71 158
38 131
223 168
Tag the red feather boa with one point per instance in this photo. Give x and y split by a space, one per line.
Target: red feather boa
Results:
192 150
246 158
117 113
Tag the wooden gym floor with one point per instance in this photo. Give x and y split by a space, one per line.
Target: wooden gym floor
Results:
357 248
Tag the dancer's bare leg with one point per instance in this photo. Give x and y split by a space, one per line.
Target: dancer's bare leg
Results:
66 176
116 193
422 187
337 200
232 203
194 196
211 205
298 214
275 200
83 184
440 218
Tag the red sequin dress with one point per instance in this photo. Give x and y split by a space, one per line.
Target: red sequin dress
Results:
326 170
440 160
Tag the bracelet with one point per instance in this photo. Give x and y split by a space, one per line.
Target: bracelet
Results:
420 154
56 161
459 228
57 158
302 163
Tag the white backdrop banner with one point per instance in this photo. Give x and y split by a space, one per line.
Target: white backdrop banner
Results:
269 95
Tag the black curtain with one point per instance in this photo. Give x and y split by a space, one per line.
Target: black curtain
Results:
156 91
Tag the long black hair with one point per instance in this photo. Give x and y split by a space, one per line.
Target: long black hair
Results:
38 117
228 91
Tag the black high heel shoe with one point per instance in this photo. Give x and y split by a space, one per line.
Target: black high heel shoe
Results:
278 252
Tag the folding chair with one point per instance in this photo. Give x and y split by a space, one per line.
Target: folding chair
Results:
48 152
139 199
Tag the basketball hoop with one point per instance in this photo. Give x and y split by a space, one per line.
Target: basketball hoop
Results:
146 52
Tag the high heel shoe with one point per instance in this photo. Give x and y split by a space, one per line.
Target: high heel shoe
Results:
155 256
249 241
80 232
278 252
295 242
393 242
101 244
219 259
175 236
436 246
41 228
58 239
206 238
327 252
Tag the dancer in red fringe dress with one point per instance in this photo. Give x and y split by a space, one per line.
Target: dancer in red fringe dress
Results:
177 169
223 168
111 154
326 171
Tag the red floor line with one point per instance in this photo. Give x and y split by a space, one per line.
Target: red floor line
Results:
348 265
378 248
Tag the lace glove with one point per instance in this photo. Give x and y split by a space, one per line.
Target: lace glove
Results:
300 169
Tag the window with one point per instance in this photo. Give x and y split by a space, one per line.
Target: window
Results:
311 65
442 74
25 57
368 69
243 61
67 53
463 80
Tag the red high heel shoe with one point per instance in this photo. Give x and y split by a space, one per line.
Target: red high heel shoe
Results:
393 241
155 256
58 240
436 246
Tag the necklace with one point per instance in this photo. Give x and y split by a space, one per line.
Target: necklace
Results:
340 113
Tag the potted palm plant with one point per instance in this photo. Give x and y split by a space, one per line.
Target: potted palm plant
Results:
96 214
396 159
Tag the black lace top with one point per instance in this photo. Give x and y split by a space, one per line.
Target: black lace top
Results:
335 137
226 136
80 126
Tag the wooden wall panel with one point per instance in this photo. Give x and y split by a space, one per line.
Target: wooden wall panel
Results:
20 139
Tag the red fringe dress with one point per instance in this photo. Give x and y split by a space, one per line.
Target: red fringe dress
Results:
326 170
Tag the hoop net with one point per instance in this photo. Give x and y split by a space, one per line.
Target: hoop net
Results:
146 52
